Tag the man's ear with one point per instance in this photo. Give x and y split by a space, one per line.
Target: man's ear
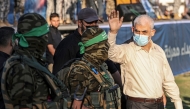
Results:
132 29
153 31
11 43
80 23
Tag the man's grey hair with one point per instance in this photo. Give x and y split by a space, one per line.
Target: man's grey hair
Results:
144 20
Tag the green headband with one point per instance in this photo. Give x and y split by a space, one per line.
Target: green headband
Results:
101 37
35 32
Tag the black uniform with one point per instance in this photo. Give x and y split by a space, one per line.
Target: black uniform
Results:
54 38
69 49
3 58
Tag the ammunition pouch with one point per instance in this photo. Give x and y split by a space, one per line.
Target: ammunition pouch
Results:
97 99
112 99
67 103
105 100
109 95
51 105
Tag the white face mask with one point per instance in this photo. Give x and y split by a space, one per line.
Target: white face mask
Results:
140 40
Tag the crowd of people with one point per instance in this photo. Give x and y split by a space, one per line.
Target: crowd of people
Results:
68 9
40 70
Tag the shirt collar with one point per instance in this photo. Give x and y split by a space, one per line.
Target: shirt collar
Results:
54 27
139 47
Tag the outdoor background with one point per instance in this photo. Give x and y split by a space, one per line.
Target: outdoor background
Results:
182 80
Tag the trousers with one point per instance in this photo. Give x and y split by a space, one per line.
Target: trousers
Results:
144 105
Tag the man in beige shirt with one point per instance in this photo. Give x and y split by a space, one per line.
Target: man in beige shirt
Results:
145 71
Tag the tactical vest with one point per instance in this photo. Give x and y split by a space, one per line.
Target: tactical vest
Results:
107 98
57 88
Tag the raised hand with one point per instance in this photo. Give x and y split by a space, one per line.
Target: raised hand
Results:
114 21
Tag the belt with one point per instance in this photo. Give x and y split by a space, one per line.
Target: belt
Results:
150 100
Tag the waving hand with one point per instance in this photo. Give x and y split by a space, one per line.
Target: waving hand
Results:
114 21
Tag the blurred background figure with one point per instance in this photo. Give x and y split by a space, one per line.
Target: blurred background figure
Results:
97 5
4 10
54 6
185 15
54 38
148 8
159 13
40 5
83 4
69 9
177 4
36 6
18 10
110 5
